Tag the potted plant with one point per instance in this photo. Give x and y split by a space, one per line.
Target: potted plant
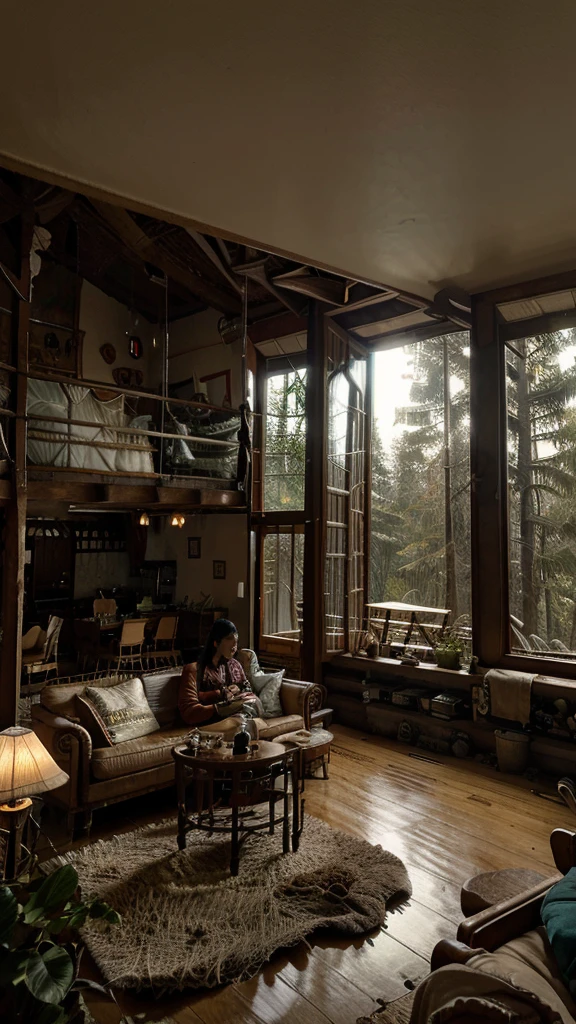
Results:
447 651
39 947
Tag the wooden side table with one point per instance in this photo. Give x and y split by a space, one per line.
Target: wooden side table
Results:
263 775
490 887
317 754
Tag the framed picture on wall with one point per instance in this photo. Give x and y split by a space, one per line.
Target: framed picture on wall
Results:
219 569
194 547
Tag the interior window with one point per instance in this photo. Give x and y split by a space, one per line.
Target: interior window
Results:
283 573
420 516
285 441
541 408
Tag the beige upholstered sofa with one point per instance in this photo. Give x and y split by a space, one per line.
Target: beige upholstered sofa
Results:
105 775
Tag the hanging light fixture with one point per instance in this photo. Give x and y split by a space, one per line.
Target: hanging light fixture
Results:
144 519
177 519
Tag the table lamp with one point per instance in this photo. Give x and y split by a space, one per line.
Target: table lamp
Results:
26 768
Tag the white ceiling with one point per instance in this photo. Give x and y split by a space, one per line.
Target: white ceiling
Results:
409 142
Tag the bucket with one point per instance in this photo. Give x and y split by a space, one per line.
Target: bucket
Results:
512 750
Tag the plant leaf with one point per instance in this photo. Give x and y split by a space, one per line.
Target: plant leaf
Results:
8 913
49 975
53 893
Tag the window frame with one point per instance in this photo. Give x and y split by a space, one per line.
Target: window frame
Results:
489 470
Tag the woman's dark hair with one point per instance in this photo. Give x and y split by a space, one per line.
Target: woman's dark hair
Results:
220 630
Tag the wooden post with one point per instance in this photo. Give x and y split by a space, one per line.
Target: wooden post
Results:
313 626
15 520
489 540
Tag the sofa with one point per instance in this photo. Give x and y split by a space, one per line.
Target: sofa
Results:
501 962
102 775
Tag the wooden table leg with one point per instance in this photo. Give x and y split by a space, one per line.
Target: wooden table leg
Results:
234 844
285 816
297 772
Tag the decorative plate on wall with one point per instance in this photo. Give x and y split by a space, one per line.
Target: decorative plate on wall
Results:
125 377
108 353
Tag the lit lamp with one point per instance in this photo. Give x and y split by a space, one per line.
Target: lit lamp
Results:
144 519
177 519
26 768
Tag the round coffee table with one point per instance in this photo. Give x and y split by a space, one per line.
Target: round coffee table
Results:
492 887
270 774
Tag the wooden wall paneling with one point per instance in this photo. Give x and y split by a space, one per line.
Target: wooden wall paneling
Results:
489 541
314 536
15 520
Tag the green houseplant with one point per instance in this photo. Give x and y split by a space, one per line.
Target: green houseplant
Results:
39 947
447 651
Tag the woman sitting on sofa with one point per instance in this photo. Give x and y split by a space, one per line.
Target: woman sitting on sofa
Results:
216 687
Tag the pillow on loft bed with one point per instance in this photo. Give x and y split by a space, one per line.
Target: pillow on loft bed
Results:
123 709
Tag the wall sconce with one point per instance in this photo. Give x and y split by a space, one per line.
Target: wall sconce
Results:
144 519
177 519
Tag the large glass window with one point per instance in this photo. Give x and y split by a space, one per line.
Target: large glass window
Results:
541 405
285 441
283 574
420 527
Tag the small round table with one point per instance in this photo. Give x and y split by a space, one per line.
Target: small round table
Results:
316 754
483 891
262 776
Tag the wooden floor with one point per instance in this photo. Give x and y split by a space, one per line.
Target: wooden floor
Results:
446 819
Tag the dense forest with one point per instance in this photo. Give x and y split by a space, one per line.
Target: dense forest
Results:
420 548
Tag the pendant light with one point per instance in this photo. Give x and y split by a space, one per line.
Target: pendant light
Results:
177 519
144 519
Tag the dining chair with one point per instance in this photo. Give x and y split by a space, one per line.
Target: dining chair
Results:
129 648
164 649
104 606
45 660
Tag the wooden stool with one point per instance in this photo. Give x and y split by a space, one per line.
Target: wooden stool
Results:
492 887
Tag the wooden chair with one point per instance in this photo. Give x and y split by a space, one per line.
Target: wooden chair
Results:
104 606
43 661
88 642
164 642
129 651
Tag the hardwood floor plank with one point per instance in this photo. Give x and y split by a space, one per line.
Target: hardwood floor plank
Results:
379 967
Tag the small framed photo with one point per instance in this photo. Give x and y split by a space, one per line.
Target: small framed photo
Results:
219 569
194 547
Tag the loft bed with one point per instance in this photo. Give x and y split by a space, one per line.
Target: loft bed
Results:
70 426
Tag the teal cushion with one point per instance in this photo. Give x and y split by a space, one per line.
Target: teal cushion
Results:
559 919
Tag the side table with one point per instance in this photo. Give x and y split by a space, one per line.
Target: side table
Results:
262 775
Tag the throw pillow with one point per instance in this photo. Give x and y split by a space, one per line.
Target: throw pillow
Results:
123 709
92 722
261 679
270 696
253 667
161 689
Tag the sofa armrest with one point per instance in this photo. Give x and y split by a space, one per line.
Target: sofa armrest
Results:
506 920
450 951
71 747
296 697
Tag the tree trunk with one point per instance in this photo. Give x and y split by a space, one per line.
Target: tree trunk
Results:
449 547
527 538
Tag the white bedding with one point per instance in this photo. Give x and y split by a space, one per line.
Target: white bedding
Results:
52 444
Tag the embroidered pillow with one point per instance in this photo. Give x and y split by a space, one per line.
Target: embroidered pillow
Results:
123 709
92 722
270 696
261 679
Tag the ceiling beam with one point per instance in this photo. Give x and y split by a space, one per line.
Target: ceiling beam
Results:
135 238
277 327
306 282
256 271
214 258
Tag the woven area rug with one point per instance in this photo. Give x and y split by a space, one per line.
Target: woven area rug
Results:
187 923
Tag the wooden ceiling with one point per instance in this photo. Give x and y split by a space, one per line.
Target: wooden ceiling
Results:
148 265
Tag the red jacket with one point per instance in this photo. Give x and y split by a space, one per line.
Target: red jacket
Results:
196 704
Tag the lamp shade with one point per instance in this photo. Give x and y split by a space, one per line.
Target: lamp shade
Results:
26 767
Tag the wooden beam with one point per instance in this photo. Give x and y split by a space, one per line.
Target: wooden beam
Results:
15 520
214 258
132 235
276 327
306 282
255 270
315 473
